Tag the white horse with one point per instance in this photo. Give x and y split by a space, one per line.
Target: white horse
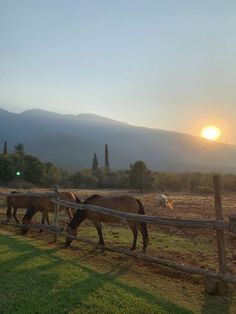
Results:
164 202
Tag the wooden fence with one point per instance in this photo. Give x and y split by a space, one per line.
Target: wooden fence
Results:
219 225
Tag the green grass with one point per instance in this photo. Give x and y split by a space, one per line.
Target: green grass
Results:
37 280
39 277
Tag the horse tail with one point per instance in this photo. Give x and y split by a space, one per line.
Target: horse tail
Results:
143 224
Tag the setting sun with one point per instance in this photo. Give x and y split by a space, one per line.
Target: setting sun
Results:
211 132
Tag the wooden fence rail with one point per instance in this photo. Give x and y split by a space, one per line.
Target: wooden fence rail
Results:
37 194
187 223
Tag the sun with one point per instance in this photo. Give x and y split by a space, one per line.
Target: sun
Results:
211 132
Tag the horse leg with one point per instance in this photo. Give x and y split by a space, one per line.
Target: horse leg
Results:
14 214
42 222
143 236
68 211
99 231
8 212
47 218
134 229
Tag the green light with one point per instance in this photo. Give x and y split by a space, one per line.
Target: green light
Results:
18 173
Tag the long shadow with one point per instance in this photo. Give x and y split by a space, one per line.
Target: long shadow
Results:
43 288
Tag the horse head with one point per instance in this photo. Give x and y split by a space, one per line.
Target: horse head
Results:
71 235
27 218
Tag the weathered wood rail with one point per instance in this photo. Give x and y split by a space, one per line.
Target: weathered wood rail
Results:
219 225
185 223
37 194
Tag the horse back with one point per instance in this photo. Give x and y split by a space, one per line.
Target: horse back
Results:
20 201
124 203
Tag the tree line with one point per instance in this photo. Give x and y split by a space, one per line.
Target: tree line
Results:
21 168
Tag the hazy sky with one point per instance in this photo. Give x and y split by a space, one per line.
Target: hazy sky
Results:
157 63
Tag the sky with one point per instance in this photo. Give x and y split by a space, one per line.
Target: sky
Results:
161 64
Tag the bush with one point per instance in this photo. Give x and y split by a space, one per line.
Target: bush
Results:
206 190
16 184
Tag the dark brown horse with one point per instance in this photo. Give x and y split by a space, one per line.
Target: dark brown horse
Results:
46 205
123 203
18 201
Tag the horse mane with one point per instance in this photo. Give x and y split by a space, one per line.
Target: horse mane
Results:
79 216
29 213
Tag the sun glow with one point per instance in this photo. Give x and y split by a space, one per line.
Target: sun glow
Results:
211 132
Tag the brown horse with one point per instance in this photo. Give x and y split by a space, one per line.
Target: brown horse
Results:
46 205
18 201
123 203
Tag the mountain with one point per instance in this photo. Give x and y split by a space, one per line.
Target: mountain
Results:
71 140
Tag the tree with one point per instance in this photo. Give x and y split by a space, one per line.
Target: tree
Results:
95 163
7 169
34 169
84 179
106 157
140 176
52 174
19 149
5 149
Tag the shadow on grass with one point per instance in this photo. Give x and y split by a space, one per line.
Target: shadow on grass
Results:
35 280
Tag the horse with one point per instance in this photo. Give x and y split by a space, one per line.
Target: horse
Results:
46 205
18 201
123 203
164 202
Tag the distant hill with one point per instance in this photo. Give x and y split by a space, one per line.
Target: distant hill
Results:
71 140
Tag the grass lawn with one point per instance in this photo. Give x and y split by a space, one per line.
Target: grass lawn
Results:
38 277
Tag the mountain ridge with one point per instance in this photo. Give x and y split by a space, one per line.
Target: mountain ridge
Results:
160 149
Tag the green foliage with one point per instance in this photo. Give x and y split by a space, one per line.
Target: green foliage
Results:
18 168
140 176
52 175
95 163
34 169
7 168
5 149
106 157
19 149
84 179
114 180
30 168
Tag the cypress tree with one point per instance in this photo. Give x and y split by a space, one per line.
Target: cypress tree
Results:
5 149
106 157
95 163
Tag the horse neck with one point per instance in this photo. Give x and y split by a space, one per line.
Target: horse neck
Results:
30 213
78 218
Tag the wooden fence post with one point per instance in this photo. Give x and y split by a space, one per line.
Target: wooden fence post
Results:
218 287
56 210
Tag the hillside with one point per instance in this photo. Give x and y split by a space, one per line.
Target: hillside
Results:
71 140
